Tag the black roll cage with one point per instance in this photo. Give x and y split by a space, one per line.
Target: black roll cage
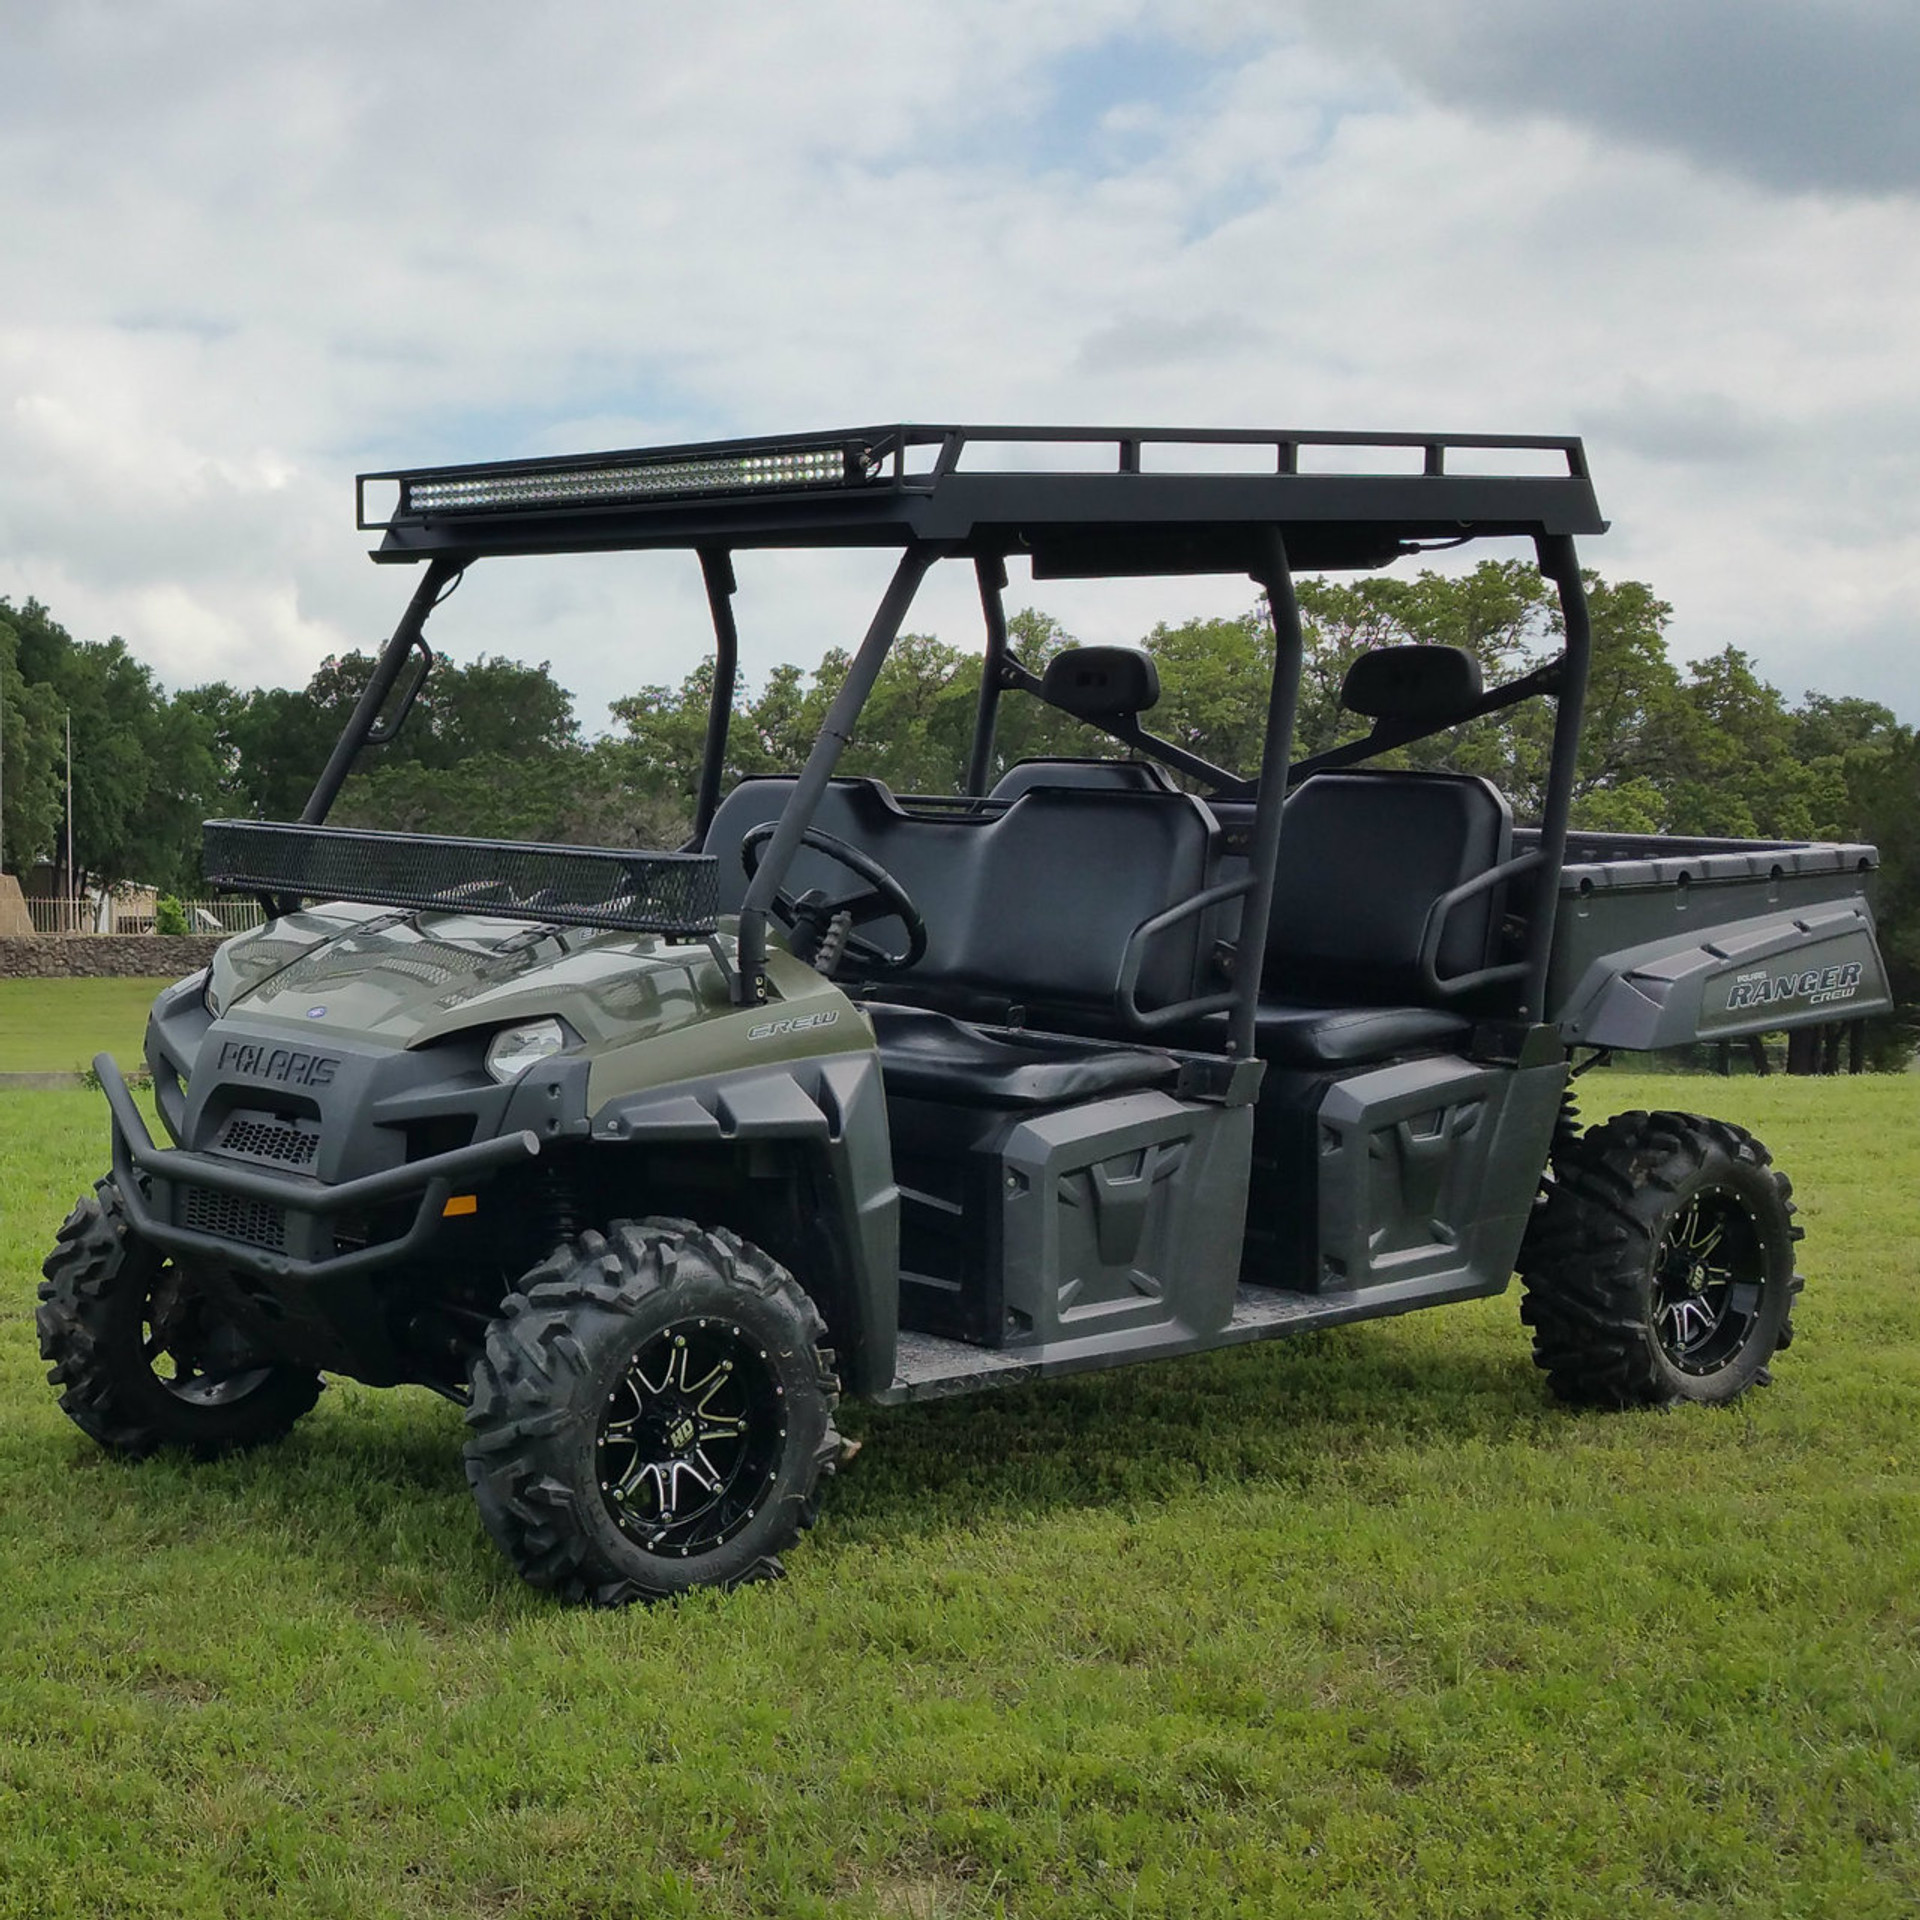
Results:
1127 506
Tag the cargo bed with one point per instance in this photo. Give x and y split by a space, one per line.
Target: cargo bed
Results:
1663 939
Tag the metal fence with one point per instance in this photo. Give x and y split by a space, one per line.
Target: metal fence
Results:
136 915
63 916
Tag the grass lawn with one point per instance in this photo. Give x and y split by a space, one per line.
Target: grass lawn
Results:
57 1026
1358 1625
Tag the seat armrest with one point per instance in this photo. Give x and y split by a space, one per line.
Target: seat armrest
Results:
1451 985
1133 958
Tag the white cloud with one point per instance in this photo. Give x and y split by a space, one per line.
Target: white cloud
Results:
251 249
1795 94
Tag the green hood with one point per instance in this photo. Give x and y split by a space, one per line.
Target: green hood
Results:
407 979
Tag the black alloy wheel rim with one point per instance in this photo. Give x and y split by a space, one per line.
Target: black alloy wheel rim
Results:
1709 1280
691 1438
198 1362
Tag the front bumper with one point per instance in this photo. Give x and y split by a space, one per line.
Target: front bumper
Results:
155 1180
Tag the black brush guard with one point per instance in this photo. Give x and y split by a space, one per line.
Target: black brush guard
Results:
154 1218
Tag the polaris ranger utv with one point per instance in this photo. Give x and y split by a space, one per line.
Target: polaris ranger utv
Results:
644 1158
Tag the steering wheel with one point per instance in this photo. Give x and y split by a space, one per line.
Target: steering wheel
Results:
810 917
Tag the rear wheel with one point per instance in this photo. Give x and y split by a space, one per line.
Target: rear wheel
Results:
1661 1268
143 1354
653 1412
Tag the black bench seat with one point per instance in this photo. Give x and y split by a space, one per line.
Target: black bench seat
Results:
1031 902
932 1056
1303 1036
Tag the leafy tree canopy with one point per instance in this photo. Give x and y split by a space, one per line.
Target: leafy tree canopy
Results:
495 748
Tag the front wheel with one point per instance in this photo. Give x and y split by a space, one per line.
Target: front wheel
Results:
1661 1268
143 1354
653 1412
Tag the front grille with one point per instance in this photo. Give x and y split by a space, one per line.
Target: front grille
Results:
266 1137
228 1217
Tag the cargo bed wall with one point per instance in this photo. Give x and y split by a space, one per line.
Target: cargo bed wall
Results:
1661 940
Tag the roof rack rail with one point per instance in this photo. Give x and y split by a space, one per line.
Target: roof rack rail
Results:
1152 499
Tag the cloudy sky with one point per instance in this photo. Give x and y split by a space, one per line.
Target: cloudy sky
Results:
251 249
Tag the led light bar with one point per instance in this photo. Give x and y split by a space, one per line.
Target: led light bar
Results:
649 480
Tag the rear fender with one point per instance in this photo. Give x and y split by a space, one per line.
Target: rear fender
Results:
1761 975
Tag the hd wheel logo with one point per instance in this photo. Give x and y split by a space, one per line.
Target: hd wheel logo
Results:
1762 989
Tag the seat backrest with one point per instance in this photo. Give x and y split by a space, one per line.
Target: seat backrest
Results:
1065 877
1363 857
1029 902
1112 776
932 855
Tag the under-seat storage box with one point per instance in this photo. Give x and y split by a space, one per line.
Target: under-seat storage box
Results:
1416 1175
1112 1215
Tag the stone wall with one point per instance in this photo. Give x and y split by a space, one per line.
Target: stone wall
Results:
55 956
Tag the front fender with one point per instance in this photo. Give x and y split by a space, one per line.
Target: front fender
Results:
832 1110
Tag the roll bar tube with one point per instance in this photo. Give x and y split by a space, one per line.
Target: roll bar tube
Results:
362 727
750 978
991 572
716 568
1272 572
1561 565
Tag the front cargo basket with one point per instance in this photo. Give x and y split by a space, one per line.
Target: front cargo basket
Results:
671 893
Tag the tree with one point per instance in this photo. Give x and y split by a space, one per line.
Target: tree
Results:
1884 796
143 764
269 743
660 757
1842 743
32 796
1725 754
1632 690
1213 681
918 722
915 729
493 748
495 706
490 796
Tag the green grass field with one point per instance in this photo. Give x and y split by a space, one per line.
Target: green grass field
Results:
57 1026
1358 1625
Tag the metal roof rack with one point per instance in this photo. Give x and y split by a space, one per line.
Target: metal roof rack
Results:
1077 500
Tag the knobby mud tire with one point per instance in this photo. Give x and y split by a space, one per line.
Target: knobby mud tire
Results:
93 1320
555 1387
1599 1267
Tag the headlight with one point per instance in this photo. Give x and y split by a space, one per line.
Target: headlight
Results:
513 1050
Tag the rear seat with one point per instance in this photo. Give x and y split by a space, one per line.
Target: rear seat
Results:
1364 858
